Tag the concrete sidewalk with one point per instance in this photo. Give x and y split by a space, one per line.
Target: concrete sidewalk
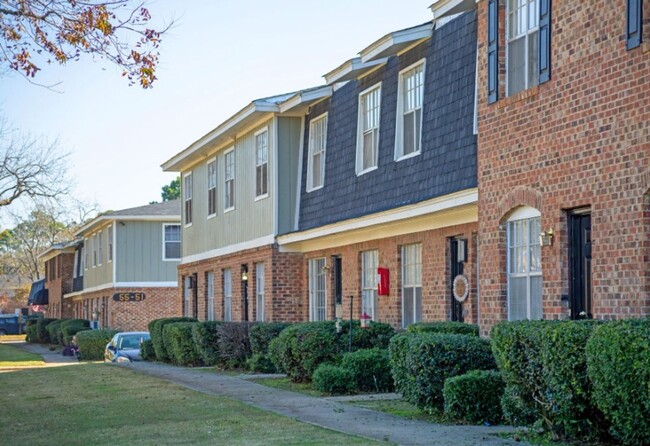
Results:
327 413
51 358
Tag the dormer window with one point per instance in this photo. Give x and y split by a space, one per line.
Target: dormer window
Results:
409 111
368 129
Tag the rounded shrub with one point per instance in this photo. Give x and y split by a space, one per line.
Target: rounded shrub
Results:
377 335
156 333
262 333
450 327
42 335
333 379
92 343
71 327
370 369
54 331
206 341
261 364
421 362
147 351
474 397
179 344
234 344
31 332
618 361
300 348
543 364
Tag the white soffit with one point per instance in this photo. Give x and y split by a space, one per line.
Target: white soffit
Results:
301 101
352 69
442 8
395 42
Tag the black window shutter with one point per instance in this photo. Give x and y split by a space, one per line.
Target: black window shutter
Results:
634 23
493 51
544 41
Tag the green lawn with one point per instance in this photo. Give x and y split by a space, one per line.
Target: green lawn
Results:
401 408
103 405
11 356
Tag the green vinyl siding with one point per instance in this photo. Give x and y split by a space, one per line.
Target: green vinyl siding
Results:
289 130
102 272
250 219
139 256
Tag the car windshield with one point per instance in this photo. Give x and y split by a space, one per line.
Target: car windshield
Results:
131 342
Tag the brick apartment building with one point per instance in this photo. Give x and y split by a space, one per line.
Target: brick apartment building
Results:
563 149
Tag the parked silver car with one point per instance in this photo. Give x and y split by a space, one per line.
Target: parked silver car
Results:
125 346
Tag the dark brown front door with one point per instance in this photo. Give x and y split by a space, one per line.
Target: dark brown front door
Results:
457 249
580 265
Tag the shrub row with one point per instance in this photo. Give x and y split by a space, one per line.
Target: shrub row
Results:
448 327
93 342
421 362
156 332
54 331
366 370
474 397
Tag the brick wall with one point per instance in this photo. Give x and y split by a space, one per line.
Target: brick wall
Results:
127 316
436 280
59 284
581 140
283 284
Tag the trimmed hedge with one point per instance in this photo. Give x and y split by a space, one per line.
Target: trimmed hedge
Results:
262 333
146 350
32 333
92 343
474 397
544 366
156 333
421 362
618 361
370 369
179 344
41 335
206 341
333 379
300 348
449 327
71 327
54 331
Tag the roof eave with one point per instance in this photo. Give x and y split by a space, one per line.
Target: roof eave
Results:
391 44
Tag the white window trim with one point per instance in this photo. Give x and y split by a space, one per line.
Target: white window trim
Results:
374 310
109 243
210 296
399 122
94 251
85 254
522 213
216 181
234 178
359 163
268 143
227 316
100 249
185 175
403 287
508 39
187 295
164 257
312 302
260 293
310 154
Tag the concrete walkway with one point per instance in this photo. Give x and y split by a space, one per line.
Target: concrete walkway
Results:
327 413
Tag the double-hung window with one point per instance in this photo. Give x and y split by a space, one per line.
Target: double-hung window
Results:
109 235
524 265
411 284
523 45
187 290
227 294
100 248
86 250
317 290
409 111
187 197
261 164
369 263
171 242
209 291
229 189
317 144
212 187
368 129
94 250
259 292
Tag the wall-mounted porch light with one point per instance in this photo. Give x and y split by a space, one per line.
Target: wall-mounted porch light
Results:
546 237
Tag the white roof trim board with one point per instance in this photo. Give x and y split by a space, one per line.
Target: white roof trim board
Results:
394 42
442 8
352 69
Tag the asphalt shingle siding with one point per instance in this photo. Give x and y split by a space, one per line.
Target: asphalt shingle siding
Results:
447 162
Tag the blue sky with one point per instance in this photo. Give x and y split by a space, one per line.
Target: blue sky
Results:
218 56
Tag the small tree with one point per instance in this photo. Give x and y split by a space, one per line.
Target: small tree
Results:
172 191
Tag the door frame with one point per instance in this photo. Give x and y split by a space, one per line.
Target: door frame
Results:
579 257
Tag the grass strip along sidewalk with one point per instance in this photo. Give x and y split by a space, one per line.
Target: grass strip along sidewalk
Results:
11 356
103 405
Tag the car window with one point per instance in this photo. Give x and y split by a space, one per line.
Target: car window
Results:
130 342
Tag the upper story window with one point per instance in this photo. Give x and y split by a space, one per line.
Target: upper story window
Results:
212 187
187 197
94 241
524 265
410 94
109 236
368 129
523 45
262 164
100 248
229 190
86 255
171 242
317 144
